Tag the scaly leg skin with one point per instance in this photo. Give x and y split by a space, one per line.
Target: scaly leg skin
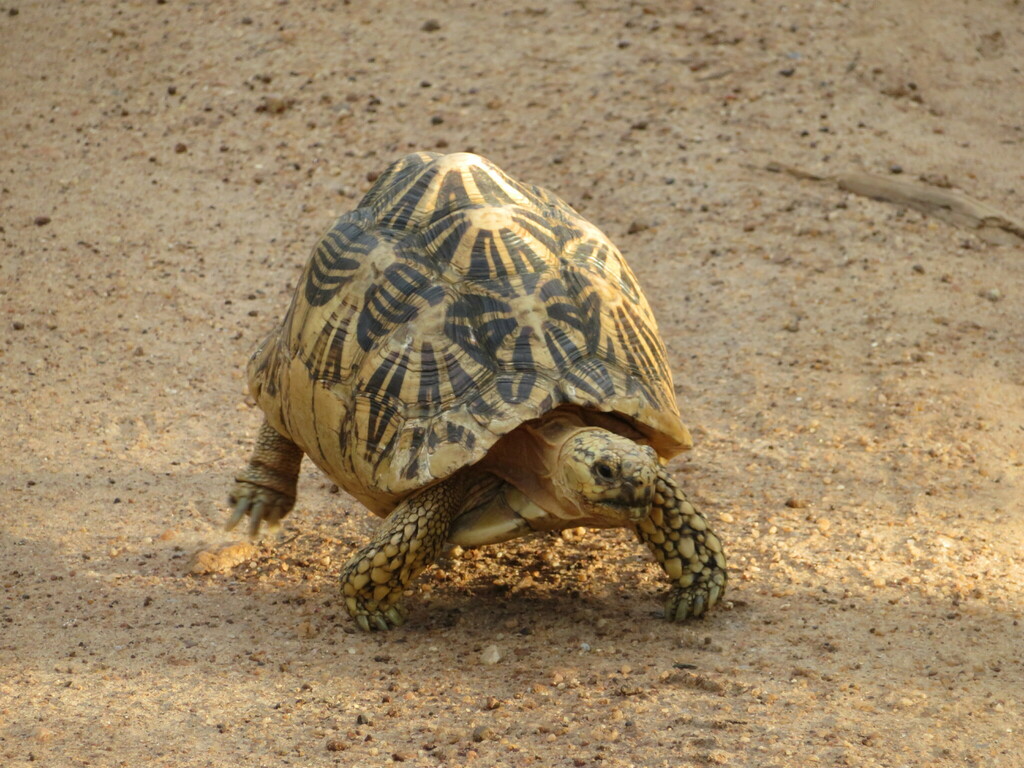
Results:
408 541
265 491
687 550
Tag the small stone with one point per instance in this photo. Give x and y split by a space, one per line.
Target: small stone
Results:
993 295
336 745
492 654
787 72
637 226
436 120
431 25
41 221
275 105
794 503
483 733
221 560
18 325
918 269
180 148
896 169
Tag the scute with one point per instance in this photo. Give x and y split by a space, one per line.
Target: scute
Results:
451 306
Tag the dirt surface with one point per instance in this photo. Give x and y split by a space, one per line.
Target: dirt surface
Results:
852 371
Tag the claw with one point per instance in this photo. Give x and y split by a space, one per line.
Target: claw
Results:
395 616
699 605
256 517
241 507
363 622
382 625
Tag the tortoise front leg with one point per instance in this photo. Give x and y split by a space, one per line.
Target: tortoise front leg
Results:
409 540
265 491
689 552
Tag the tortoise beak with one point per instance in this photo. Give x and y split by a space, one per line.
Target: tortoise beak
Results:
637 500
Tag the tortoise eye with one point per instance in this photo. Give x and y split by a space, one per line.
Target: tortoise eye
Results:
604 470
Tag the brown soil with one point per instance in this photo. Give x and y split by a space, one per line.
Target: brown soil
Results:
852 371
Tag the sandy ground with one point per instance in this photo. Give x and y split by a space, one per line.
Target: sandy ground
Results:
852 371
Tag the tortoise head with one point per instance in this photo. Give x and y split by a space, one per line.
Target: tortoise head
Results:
607 477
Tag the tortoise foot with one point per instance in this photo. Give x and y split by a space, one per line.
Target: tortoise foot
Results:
260 504
372 603
692 602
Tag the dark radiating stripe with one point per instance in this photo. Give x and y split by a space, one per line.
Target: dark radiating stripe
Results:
417 436
458 380
559 305
395 177
492 333
398 215
335 259
429 393
389 302
563 349
538 228
452 194
444 237
484 259
516 388
382 413
592 377
490 190
522 351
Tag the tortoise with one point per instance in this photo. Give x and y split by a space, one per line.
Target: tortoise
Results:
473 361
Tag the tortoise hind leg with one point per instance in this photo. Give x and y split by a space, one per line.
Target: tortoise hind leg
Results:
265 490
408 541
689 552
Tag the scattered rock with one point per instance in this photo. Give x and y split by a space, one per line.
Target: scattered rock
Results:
275 105
492 654
483 733
221 560
431 25
41 221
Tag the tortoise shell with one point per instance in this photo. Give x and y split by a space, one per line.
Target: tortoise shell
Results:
451 306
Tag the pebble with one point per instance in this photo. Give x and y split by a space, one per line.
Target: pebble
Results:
492 654
483 733
794 503
41 221
275 105
431 25
993 294
221 560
